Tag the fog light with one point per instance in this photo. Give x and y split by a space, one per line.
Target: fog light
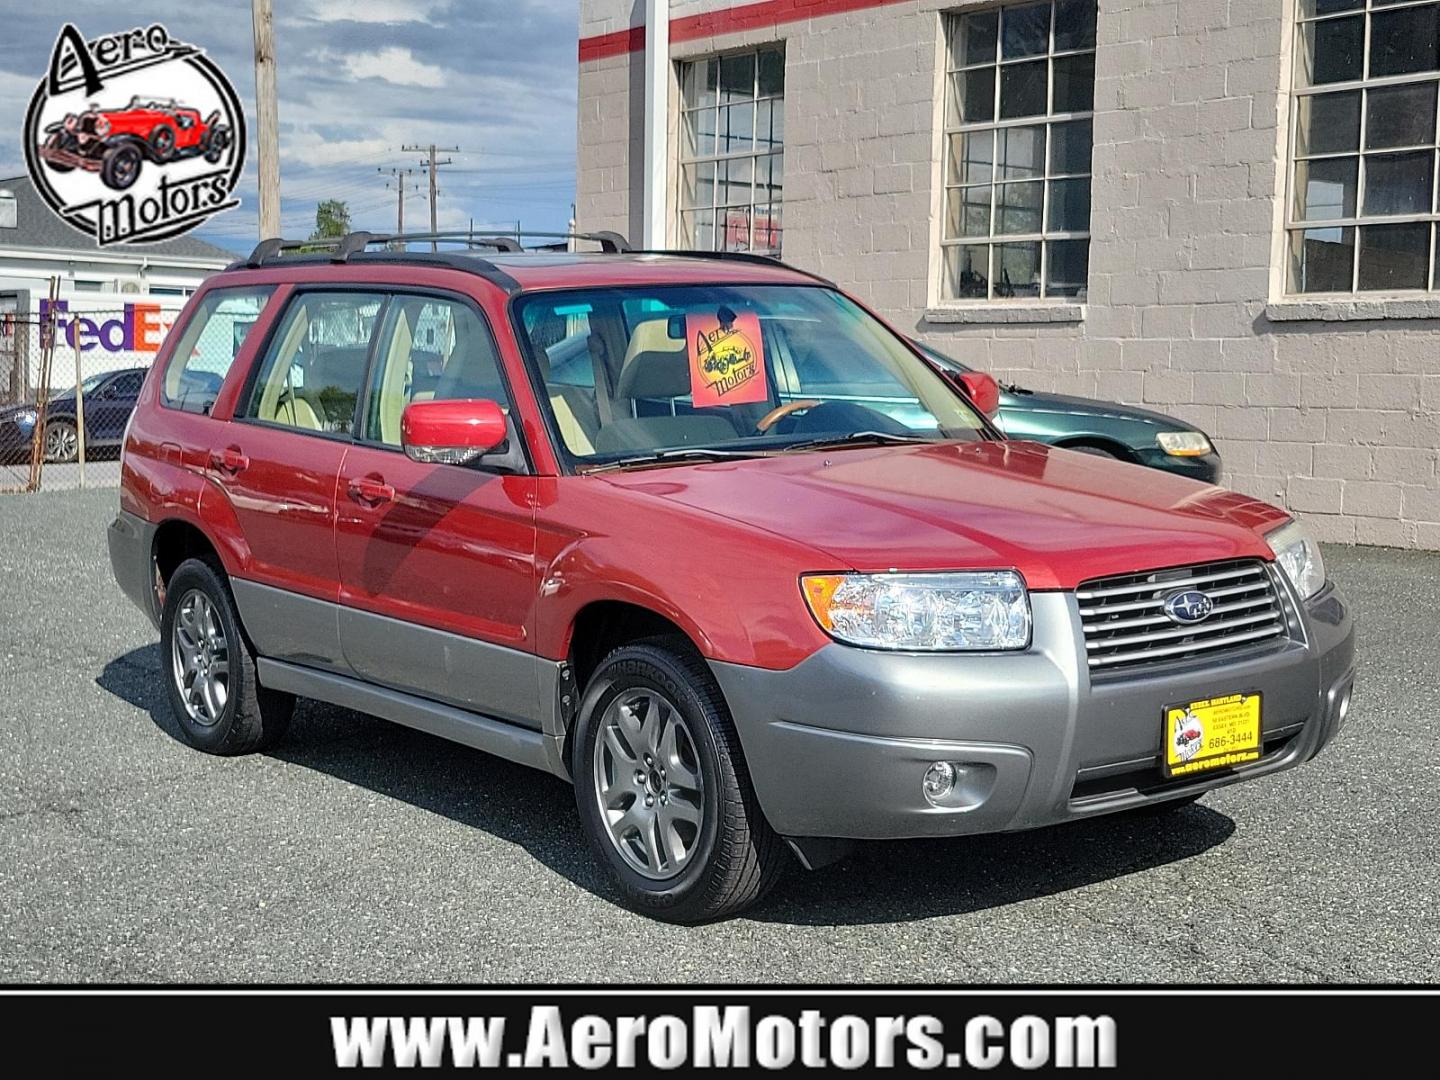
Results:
939 781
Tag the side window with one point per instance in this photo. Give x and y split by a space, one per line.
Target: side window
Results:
429 350
311 375
127 385
208 346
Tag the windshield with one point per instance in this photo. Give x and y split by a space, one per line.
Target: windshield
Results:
631 372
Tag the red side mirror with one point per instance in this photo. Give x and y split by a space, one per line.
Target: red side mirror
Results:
982 390
451 432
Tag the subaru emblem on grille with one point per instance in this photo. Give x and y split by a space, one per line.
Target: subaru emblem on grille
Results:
1187 607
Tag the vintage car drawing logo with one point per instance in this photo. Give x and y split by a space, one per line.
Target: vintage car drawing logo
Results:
134 137
1188 736
1188 607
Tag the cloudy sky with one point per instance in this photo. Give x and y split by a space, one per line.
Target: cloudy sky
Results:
358 79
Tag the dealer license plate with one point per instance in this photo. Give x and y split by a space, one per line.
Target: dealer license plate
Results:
1216 733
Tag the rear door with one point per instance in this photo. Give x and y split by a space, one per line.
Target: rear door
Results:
437 562
277 464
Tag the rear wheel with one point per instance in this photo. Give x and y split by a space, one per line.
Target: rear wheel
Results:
210 667
663 790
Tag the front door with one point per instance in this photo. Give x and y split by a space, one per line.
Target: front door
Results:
107 413
437 562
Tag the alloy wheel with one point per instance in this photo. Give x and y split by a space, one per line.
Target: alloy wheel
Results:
200 658
649 784
62 442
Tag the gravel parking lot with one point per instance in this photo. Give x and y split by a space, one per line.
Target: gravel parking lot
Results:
364 851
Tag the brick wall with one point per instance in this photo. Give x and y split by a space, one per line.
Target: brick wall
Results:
1337 418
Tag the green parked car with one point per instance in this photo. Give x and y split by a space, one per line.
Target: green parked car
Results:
1097 427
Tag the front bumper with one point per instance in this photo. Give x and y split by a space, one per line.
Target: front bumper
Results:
837 746
1206 468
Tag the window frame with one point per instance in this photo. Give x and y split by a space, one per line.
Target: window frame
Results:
360 428
1048 120
298 293
270 291
1294 227
754 155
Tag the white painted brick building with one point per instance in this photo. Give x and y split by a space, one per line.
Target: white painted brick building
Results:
1257 252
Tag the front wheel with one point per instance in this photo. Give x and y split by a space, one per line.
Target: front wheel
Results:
62 442
210 669
663 790
120 166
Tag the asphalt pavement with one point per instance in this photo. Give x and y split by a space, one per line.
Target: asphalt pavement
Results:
363 851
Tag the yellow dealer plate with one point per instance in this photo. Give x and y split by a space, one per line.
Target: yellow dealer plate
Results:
1215 733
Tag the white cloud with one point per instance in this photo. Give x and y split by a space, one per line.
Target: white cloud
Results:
389 12
393 64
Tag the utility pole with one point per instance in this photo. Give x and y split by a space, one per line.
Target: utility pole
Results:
267 117
400 173
432 164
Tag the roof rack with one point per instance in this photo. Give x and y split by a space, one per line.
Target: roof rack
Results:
738 256
341 248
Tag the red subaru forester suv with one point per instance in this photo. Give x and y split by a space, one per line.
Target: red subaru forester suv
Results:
706 537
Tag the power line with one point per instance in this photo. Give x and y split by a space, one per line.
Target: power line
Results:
399 181
433 164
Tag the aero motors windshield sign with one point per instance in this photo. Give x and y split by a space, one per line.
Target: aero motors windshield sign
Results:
134 137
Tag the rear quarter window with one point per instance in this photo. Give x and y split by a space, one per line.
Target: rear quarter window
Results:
208 345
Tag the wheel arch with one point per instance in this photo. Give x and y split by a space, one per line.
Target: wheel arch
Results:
176 540
1098 442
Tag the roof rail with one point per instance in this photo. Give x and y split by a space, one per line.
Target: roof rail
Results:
352 243
738 256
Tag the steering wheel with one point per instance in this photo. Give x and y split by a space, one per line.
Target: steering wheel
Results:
774 416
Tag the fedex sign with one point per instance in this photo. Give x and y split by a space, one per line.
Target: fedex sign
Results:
138 327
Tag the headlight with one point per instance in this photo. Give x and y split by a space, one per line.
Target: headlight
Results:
933 612
102 126
1299 556
1184 443
24 418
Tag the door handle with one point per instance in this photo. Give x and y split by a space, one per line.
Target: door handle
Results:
371 492
230 460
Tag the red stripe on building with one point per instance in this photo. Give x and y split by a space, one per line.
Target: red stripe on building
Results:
631 39
725 21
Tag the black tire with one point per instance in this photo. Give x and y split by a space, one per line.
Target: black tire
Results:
737 857
162 142
62 442
120 167
253 718
1096 451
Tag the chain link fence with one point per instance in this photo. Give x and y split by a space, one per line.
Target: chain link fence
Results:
68 384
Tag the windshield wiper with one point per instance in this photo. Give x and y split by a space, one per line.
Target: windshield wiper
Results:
858 438
660 457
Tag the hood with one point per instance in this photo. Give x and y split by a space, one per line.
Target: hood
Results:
1039 401
1058 517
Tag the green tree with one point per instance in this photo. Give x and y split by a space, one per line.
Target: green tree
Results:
332 219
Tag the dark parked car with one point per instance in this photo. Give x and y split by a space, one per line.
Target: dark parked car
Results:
109 401
1106 428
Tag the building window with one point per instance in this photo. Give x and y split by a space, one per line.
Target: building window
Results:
1020 95
1362 205
732 151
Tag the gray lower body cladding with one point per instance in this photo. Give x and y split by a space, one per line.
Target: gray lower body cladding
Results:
838 745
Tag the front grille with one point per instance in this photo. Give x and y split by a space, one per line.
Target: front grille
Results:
87 125
1126 627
